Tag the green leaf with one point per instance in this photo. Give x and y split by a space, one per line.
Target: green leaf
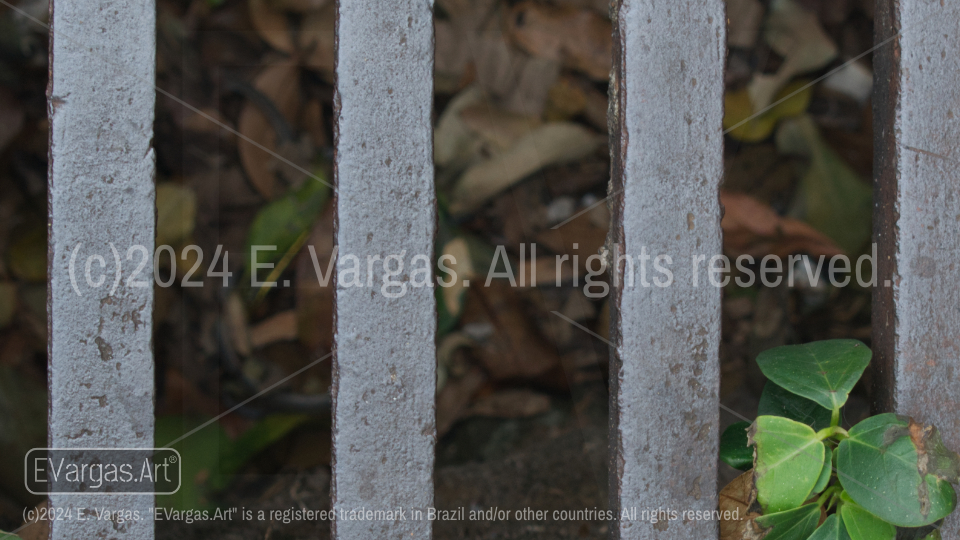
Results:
788 463
831 197
775 401
733 447
8 536
738 111
824 371
879 467
862 525
832 529
284 221
794 524
210 457
824 478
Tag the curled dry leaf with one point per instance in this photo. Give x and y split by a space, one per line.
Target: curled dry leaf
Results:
550 144
736 499
580 38
271 25
279 83
753 228
795 34
455 144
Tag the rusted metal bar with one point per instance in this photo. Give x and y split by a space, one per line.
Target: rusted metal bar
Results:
667 152
916 301
101 199
385 362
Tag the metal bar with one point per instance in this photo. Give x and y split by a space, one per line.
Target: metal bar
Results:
667 152
917 216
385 361
101 199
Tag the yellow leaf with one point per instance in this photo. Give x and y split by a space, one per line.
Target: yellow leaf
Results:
738 110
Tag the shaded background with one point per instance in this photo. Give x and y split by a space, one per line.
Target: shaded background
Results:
521 147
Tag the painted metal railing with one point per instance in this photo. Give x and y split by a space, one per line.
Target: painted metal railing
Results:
666 143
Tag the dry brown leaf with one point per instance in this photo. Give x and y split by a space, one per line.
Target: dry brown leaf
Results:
512 403
496 125
580 38
550 144
516 80
454 144
453 399
751 227
317 38
580 232
516 349
737 498
271 25
37 529
279 83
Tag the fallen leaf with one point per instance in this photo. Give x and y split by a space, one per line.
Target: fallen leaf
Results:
550 144
515 350
454 143
454 397
462 266
235 317
580 38
517 81
795 34
176 213
854 80
830 197
754 228
736 499
497 126
571 97
745 17
513 403
279 83
36 529
738 109
27 252
279 327
271 25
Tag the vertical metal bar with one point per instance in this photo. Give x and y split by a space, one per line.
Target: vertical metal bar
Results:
916 318
101 197
666 111
385 361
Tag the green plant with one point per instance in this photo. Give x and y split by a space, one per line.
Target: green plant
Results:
886 478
